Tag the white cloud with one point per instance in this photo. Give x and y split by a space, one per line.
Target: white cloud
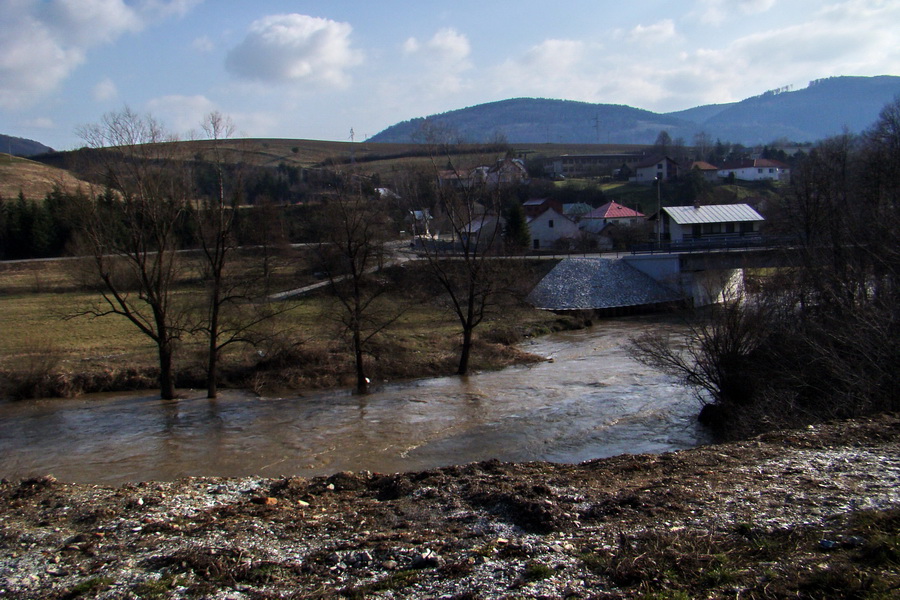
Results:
845 38
105 90
653 34
449 46
295 48
554 68
181 114
752 7
203 44
439 63
716 12
42 42
411 46
40 123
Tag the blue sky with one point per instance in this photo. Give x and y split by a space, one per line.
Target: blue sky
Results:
317 69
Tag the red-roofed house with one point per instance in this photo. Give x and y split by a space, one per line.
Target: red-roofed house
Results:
613 212
756 169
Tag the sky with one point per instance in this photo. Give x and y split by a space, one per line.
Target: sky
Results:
346 69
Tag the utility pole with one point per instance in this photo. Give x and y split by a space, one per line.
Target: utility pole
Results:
659 216
352 149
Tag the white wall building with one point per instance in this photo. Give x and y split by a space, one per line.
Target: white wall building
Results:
756 169
683 223
548 228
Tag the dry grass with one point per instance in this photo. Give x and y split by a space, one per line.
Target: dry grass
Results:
43 340
33 179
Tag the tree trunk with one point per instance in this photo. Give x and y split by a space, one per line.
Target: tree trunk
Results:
362 382
464 354
212 388
212 364
166 378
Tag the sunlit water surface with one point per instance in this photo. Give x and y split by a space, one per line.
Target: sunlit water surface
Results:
591 401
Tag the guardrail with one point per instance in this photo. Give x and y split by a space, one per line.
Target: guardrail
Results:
710 243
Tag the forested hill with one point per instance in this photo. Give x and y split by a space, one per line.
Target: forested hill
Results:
826 107
21 146
542 120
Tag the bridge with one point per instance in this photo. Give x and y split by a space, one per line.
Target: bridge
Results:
654 277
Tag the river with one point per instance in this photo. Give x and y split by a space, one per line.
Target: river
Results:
591 401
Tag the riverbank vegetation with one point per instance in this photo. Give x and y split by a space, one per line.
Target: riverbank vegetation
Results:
818 339
46 353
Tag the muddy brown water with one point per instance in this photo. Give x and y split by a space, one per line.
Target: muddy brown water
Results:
591 401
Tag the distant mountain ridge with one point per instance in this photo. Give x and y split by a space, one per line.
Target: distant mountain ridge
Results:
21 146
825 107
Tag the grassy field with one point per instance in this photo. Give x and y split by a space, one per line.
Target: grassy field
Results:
47 347
36 179
33 179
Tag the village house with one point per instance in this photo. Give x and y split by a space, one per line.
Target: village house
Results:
536 206
484 231
598 227
576 210
659 167
551 229
720 221
613 212
709 172
419 222
506 171
756 169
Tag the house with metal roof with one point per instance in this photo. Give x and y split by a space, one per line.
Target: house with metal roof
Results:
685 223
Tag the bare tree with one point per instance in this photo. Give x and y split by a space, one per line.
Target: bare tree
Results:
132 230
463 264
354 230
702 145
232 310
820 338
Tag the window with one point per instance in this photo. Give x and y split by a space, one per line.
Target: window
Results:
550 223
659 167
759 170
537 244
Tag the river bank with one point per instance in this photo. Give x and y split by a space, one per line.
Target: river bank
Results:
811 513
50 353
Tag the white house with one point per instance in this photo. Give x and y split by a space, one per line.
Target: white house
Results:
756 169
684 223
549 228
661 167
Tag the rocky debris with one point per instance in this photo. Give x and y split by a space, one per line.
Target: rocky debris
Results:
598 283
622 527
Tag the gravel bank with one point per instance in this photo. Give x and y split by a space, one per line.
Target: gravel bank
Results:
486 530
